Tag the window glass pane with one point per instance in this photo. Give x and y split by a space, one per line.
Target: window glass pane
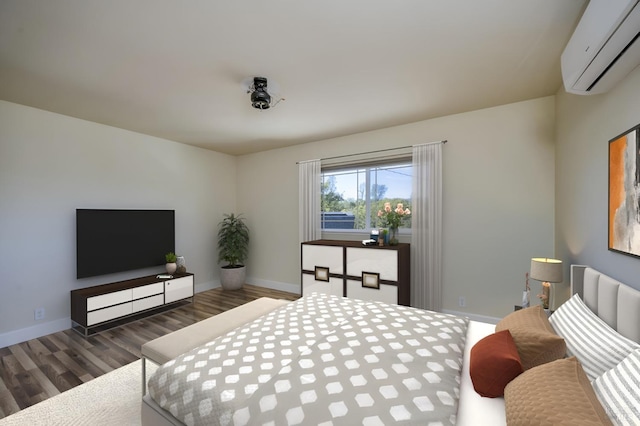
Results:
351 198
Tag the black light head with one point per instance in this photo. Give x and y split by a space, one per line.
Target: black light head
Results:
260 99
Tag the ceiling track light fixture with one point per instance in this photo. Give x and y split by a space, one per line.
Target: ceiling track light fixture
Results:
260 98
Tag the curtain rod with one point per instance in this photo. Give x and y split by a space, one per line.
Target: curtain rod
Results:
376 151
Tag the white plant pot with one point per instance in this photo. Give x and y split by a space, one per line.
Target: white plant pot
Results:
232 278
171 268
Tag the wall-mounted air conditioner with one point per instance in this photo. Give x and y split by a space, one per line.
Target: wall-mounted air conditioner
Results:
604 47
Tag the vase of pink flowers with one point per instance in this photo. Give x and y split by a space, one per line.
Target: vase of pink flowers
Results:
393 218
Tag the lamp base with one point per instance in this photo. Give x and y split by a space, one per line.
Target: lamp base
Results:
546 294
525 298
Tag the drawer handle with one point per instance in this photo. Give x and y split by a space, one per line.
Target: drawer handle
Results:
371 280
322 274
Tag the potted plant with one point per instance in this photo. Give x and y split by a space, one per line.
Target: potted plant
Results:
233 248
170 258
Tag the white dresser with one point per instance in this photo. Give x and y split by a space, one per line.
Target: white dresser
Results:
348 268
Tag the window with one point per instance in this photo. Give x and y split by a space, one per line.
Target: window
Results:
352 195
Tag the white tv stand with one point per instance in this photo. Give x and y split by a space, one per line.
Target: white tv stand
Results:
99 306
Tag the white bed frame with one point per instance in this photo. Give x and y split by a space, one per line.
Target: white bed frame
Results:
617 304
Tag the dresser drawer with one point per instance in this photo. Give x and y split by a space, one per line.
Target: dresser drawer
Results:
386 293
323 256
310 285
104 300
384 262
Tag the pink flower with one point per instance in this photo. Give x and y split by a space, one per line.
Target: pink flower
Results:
393 217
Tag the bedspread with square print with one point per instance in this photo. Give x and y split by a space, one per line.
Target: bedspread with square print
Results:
322 359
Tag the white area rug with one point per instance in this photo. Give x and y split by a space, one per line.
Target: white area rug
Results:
111 399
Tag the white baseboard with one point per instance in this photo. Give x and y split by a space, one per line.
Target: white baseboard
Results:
33 332
274 285
207 286
474 317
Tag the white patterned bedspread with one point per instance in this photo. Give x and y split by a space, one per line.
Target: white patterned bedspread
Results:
322 360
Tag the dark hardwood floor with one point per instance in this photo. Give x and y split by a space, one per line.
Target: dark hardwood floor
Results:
38 369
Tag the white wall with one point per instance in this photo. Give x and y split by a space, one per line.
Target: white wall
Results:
585 124
51 164
498 200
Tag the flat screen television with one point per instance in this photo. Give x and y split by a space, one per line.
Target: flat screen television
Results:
109 241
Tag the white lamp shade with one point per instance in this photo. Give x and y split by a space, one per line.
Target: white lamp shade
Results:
546 270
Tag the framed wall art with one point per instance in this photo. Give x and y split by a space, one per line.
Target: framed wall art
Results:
624 193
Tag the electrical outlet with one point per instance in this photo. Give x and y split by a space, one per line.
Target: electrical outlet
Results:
38 314
462 302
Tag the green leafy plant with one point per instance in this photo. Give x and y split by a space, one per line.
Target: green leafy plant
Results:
170 257
233 241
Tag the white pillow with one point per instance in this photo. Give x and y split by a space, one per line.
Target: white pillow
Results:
597 346
618 391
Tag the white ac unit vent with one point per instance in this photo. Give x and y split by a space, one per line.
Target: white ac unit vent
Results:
604 47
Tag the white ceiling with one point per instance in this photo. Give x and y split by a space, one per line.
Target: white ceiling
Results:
174 69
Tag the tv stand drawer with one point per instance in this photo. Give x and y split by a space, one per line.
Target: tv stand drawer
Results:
148 303
147 290
102 301
107 314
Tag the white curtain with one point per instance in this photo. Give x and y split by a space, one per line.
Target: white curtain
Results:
309 199
426 227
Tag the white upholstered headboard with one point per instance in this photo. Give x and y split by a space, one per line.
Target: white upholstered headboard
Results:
616 303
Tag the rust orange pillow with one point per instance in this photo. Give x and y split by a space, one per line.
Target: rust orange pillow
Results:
494 363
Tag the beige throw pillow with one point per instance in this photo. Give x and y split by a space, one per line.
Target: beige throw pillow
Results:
534 337
556 393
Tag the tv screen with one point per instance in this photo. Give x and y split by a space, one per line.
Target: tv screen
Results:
109 241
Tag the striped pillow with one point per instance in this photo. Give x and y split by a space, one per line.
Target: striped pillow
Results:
597 346
618 391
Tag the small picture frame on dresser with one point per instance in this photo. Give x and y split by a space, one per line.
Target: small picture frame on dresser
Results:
322 274
371 280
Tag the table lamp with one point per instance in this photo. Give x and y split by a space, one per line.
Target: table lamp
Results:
548 271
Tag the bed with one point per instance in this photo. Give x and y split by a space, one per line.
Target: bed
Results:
331 360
